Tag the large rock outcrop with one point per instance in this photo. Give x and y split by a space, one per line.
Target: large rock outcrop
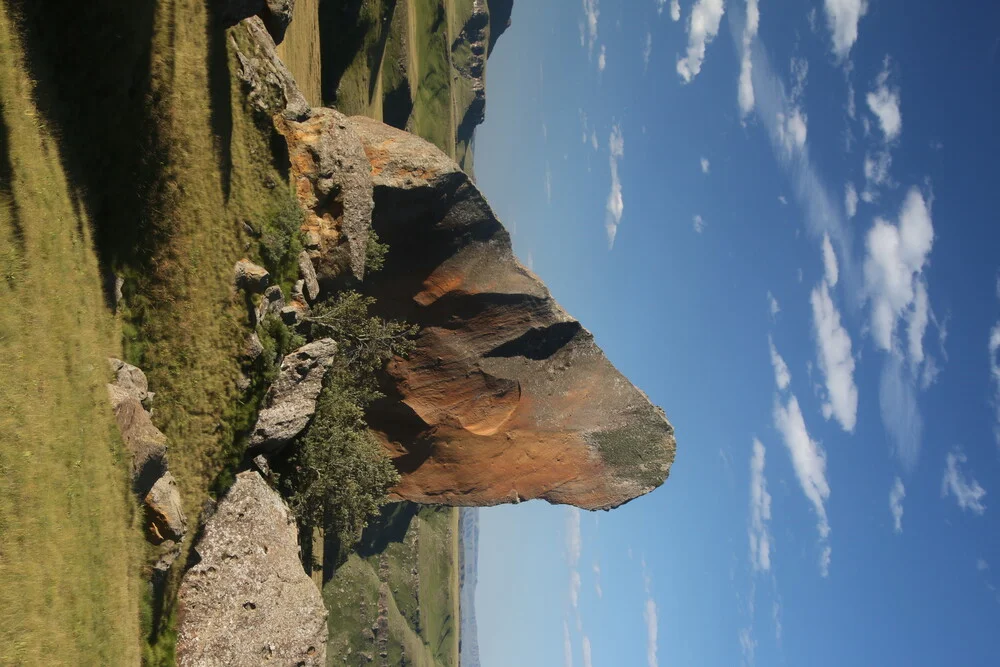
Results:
249 601
506 397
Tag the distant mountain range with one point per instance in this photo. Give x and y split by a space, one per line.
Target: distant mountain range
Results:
468 550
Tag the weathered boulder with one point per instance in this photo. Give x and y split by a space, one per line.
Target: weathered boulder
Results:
270 87
146 444
307 273
249 601
129 381
506 397
271 303
251 277
291 400
166 513
275 14
332 178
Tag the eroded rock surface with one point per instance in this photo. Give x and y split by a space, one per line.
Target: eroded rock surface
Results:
506 397
249 601
291 400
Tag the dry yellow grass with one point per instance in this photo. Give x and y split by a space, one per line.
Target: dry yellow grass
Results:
69 543
300 50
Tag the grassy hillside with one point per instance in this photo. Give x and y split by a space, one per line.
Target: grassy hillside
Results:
70 543
397 595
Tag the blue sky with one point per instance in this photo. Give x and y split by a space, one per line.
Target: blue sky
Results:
779 221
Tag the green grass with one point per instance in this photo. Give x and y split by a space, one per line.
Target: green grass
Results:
421 609
431 75
70 544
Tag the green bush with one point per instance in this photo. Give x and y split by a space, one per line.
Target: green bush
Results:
281 241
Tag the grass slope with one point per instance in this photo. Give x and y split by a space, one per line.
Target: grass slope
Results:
300 50
398 593
69 540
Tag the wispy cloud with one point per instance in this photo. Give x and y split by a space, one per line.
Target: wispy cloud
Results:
744 94
809 462
842 17
647 50
588 27
747 644
705 165
574 588
850 200
897 397
548 182
782 376
702 27
649 615
883 101
830 271
597 581
615 206
994 352
574 538
833 349
699 224
982 565
967 491
602 59
760 511
587 658
896 495
567 646
772 305
675 10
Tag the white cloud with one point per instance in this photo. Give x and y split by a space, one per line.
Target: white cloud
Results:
587 659
792 130
703 26
884 103
824 561
699 224
675 10
705 166
896 256
994 350
548 182
876 168
602 59
896 495
982 565
967 491
808 460
772 305
760 511
649 615
574 539
781 198
850 200
750 27
829 261
615 206
567 646
574 588
597 581
782 376
593 140
833 348
900 414
842 17
917 322
589 27
748 644
647 49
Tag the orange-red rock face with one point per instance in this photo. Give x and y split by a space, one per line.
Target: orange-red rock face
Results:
506 398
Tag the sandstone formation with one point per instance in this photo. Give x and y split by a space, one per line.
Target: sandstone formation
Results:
506 397
269 85
249 602
251 277
330 175
291 400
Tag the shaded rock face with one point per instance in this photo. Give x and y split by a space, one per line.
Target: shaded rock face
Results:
500 11
269 85
274 14
506 397
331 177
249 601
291 400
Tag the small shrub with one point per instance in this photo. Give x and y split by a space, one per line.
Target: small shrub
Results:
281 240
375 253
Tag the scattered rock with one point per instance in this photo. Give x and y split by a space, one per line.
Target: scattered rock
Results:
166 555
505 396
166 512
249 601
270 87
270 304
131 381
291 400
332 178
251 277
260 462
253 348
294 313
307 272
145 442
